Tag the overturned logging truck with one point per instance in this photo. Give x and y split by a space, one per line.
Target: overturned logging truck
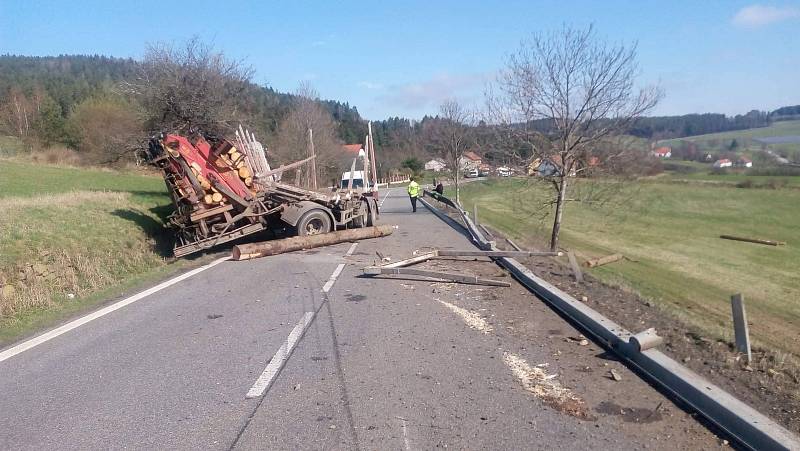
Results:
223 190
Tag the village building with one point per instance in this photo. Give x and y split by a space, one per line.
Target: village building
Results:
435 165
469 160
723 163
662 152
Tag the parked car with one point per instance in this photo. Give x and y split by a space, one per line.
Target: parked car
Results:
504 171
471 173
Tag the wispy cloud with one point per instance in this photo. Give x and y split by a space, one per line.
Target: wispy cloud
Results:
370 85
755 16
428 94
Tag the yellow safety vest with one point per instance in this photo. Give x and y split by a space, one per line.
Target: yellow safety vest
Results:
413 189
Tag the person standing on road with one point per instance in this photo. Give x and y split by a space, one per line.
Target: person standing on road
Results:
413 193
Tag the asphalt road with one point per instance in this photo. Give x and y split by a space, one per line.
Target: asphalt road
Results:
384 364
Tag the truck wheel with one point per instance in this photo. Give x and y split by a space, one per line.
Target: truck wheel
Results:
362 218
371 220
313 222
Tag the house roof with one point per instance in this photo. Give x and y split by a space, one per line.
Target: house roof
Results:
436 160
662 151
745 160
472 156
724 160
352 148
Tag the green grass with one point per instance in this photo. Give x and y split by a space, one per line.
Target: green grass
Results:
670 232
781 128
88 232
719 142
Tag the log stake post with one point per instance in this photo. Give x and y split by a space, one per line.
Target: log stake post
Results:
576 269
475 213
741 332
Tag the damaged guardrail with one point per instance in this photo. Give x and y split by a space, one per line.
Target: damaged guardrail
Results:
741 422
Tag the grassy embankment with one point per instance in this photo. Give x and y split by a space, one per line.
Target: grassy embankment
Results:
70 238
671 232
720 141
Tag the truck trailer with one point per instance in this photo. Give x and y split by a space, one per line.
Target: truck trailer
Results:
224 190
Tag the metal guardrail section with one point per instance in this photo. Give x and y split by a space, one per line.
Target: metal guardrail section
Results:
741 422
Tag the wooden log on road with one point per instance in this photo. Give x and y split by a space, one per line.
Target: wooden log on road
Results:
753 240
604 260
275 247
459 278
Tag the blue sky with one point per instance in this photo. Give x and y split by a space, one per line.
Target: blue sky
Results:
403 58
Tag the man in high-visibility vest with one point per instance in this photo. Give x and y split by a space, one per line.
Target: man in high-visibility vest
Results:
413 193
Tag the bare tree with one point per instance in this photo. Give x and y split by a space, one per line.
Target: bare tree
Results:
567 95
450 137
292 138
189 87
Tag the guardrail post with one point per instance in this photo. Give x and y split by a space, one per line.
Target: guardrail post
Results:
740 329
475 213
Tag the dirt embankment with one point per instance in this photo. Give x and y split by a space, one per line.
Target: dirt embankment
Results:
771 383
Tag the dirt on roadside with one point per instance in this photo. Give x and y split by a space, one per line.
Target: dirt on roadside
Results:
770 384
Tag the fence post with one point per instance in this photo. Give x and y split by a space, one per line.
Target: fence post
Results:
475 213
576 270
740 329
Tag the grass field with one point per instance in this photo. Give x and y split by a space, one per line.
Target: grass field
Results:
719 141
68 236
670 232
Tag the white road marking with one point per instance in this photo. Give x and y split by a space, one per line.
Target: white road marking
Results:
405 436
385 197
329 284
279 359
47 336
336 272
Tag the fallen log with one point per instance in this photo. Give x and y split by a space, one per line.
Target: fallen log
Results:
753 240
604 260
460 278
255 250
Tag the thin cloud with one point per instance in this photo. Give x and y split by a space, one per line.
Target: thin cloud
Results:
370 85
428 94
755 16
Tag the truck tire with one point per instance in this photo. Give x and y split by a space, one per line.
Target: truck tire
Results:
314 222
372 215
363 216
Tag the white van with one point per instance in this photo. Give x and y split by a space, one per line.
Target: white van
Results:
358 180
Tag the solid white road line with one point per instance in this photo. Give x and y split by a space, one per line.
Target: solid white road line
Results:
47 336
351 250
279 359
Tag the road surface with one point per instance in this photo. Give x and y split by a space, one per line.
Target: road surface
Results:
383 364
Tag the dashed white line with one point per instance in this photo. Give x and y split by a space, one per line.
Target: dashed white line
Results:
279 359
336 272
47 336
329 284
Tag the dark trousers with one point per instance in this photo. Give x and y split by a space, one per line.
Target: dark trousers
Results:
413 203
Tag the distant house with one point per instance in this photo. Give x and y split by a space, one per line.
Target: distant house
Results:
352 150
547 167
435 165
469 160
663 152
744 162
724 163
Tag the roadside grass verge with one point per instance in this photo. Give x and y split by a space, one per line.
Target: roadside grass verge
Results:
70 237
670 232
